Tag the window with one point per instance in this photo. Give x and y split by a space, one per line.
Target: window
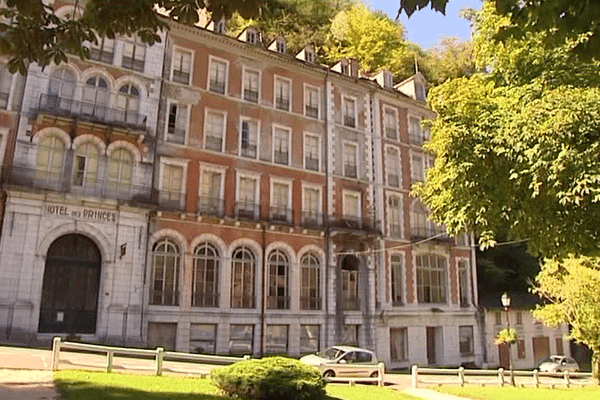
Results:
559 345
350 158
218 76
281 145
95 97
211 193
177 123
165 273
283 88
463 283
352 206
431 278
251 36
128 103
241 339
414 130
417 172
120 170
310 289
398 344
420 226
349 110
5 84
521 349
205 280
181 66
281 210
214 129
103 50
276 339
466 340
60 91
497 318
243 267
280 46
247 206
350 282
50 158
278 285
395 216
249 138
420 91
309 339
350 335
396 267
311 206
85 165
203 338
391 123
311 152
519 318
392 160
311 102
134 54
220 26
251 85
171 188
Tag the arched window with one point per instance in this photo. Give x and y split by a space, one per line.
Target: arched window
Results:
431 278
95 97
279 266
85 165
310 290
205 290
128 103
165 273
243 269
60 91
120 170
50 159
350 266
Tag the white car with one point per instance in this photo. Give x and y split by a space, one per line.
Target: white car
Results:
559 364
344 361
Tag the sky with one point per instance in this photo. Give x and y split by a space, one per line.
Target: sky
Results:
424 27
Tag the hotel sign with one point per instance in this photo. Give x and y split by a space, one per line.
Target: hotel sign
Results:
80 213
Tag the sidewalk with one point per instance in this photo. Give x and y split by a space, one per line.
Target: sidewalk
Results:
20 384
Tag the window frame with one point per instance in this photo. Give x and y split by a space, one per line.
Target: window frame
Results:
426 289
354 116
250 301
394 112
471 340
305 153
208 111
245 73
289 209
171 103
319 210
182 50
256 200
392 222
257 123
217 265
307 88
212 59
273 280
276 80
213 169
351 193
174 162
310 302
137 44
277 127
403 331
175 299
464 291
388 166
397 281
347 172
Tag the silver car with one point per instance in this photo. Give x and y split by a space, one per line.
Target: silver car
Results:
344 361
559 364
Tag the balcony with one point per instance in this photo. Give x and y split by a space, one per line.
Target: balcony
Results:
278 302
61 106
205 300
251 95
281 157
354 223
282 215
247 210
59 181
428 231
312 219
210 206
171 200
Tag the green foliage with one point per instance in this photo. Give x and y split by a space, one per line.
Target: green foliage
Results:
571 290
506 336
272 378
450 58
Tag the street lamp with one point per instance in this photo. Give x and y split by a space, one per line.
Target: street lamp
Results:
506 304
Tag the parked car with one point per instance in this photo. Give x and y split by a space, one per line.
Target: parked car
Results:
559 364
344 361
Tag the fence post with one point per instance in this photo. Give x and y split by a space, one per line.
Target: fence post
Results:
501 377
109 360
414 376
247 357
536 378
567 379
380 374
55 352
461 376
160 351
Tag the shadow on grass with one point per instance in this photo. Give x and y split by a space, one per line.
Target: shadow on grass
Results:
85 390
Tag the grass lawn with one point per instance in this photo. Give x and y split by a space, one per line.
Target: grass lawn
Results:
83 385
503 393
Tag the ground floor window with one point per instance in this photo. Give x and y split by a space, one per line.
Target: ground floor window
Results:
350 335
276 339
398 344
241 339
203 338
466 340
309 338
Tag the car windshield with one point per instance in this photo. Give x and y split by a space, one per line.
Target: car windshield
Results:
331 353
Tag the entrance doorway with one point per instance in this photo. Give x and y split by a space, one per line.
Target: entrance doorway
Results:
541 349
70 289
434 344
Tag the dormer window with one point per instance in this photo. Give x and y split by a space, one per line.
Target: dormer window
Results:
388 80
310 56
281 46
345 68
420 91
251 36
220 26
307 54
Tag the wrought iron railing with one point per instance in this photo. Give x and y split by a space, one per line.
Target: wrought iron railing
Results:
312 219
349 121
210 206
247 210
248 150
251 95
311 163
213 143
282 215
282 104
171 200
312 112
217 86
350 170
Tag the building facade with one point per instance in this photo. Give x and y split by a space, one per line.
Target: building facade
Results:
212 194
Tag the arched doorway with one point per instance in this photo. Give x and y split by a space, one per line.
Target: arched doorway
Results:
70 289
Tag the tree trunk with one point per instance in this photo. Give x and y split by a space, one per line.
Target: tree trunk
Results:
596 364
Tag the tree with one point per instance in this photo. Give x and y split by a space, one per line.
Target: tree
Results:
571 291
448 59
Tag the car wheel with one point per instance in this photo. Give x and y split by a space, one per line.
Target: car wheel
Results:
329 374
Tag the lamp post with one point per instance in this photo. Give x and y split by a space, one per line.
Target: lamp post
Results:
506 303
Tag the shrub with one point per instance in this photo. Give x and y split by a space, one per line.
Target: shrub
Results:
272 378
